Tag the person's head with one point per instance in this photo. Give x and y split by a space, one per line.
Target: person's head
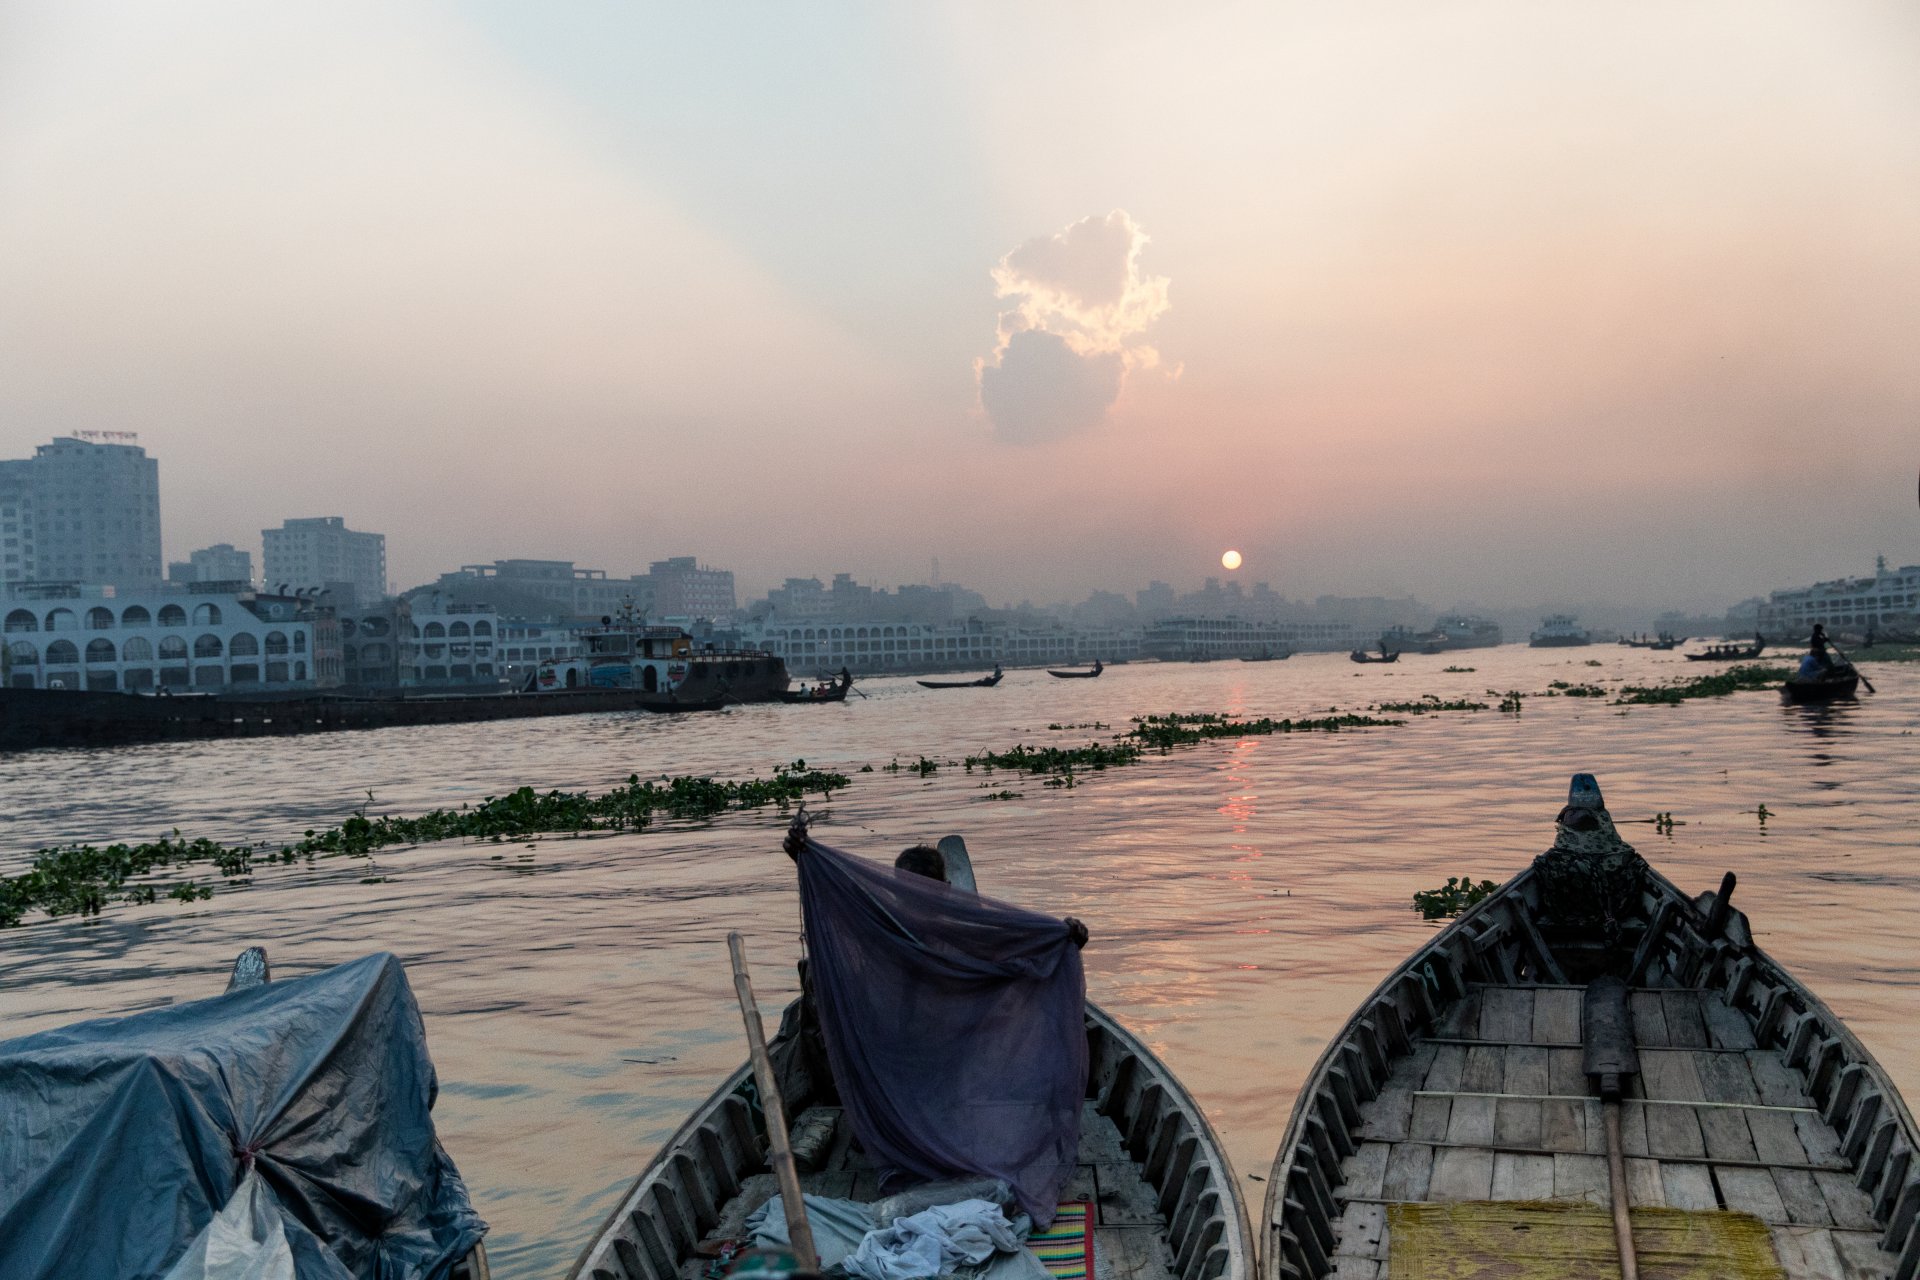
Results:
923 860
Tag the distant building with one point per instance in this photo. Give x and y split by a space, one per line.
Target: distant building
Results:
85 508
457 646
550 589
223 562
71 637
889 646
682 589
1890 599
320 551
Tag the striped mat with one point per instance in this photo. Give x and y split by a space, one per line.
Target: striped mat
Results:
1065 1249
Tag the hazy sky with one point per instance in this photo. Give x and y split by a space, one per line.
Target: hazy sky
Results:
1505 301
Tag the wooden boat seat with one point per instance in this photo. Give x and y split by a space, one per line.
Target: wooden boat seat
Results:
1129 1236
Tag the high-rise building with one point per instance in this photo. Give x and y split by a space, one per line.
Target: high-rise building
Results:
320 551
223 562
682 589
85 508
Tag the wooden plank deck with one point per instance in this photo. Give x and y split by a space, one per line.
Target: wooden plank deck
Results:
1495 1106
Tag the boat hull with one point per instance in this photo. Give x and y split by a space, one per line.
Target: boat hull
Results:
716 1160
1725 1033
1821 690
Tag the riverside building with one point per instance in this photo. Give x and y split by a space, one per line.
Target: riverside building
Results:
64 636
1889 600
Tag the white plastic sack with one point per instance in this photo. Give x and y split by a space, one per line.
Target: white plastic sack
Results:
244 1241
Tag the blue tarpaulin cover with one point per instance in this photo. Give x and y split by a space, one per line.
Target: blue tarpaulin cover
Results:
954 1024
121 1138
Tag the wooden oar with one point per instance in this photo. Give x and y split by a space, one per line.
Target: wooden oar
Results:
1609 1059
1856 670
779 1154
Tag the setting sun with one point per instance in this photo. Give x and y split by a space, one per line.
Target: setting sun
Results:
1231 560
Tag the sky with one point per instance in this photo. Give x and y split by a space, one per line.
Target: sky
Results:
1500 302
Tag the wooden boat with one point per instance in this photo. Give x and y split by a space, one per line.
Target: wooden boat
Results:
1268 655
1361 655
1664 641
1460 1079
1089 674
984 682
1730 652
1841 682
835 691
1167 1203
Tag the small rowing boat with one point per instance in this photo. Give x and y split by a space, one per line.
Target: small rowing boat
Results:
1729 652
1385 655
1089 674
1842 682
1163 1201
1268 655
834 690
1454 1116
984 682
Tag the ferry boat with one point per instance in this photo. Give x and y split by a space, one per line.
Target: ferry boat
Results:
1559 631
664 660
1450 631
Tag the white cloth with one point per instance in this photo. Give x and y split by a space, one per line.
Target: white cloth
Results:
934 1242
244 1241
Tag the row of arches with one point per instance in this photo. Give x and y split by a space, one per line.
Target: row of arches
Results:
138 679
101 618
455 631
140 649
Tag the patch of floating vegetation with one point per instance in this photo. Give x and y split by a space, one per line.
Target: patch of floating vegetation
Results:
1510 703
1561 689
1095 725
1430 702
1164 732
1451 898
1718 685
1458 670
84 879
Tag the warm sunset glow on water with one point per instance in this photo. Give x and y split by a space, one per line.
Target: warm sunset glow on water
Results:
1243 896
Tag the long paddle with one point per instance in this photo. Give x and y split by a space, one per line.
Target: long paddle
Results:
1856 670
1609 1059
779 1154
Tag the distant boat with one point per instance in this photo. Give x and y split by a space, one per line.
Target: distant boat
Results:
1450 631
1088 674
1559 631
1268 655
834 690
1665 640
1731 651
984 682
1385 655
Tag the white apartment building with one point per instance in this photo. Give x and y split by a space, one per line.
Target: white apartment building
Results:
455 646
68 637
321 552
85 508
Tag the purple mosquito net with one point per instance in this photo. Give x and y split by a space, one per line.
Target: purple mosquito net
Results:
954 1025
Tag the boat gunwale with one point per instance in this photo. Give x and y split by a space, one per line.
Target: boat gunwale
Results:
1280 1174
1239 1241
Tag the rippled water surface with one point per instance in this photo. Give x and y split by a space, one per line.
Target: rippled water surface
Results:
1243 896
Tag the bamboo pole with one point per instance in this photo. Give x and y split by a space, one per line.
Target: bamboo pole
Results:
779 1154
1617 1189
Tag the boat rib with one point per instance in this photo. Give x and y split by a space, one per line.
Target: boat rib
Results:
1460 1079
1165 1200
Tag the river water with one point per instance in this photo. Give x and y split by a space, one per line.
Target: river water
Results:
1243 896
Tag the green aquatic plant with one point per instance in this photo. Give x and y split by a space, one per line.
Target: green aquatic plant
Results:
1451 898
1510 703
1431 702
83 879
1165 732
1458 670
1718 685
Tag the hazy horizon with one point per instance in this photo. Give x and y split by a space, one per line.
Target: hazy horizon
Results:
1504 304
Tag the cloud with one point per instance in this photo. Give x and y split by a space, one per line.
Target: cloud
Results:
1080 308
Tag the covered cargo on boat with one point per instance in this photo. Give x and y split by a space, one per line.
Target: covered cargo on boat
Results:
288 1122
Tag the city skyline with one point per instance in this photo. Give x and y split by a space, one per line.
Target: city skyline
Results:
1505 305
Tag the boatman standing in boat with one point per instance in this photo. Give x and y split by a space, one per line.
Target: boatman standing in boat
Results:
1818 664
